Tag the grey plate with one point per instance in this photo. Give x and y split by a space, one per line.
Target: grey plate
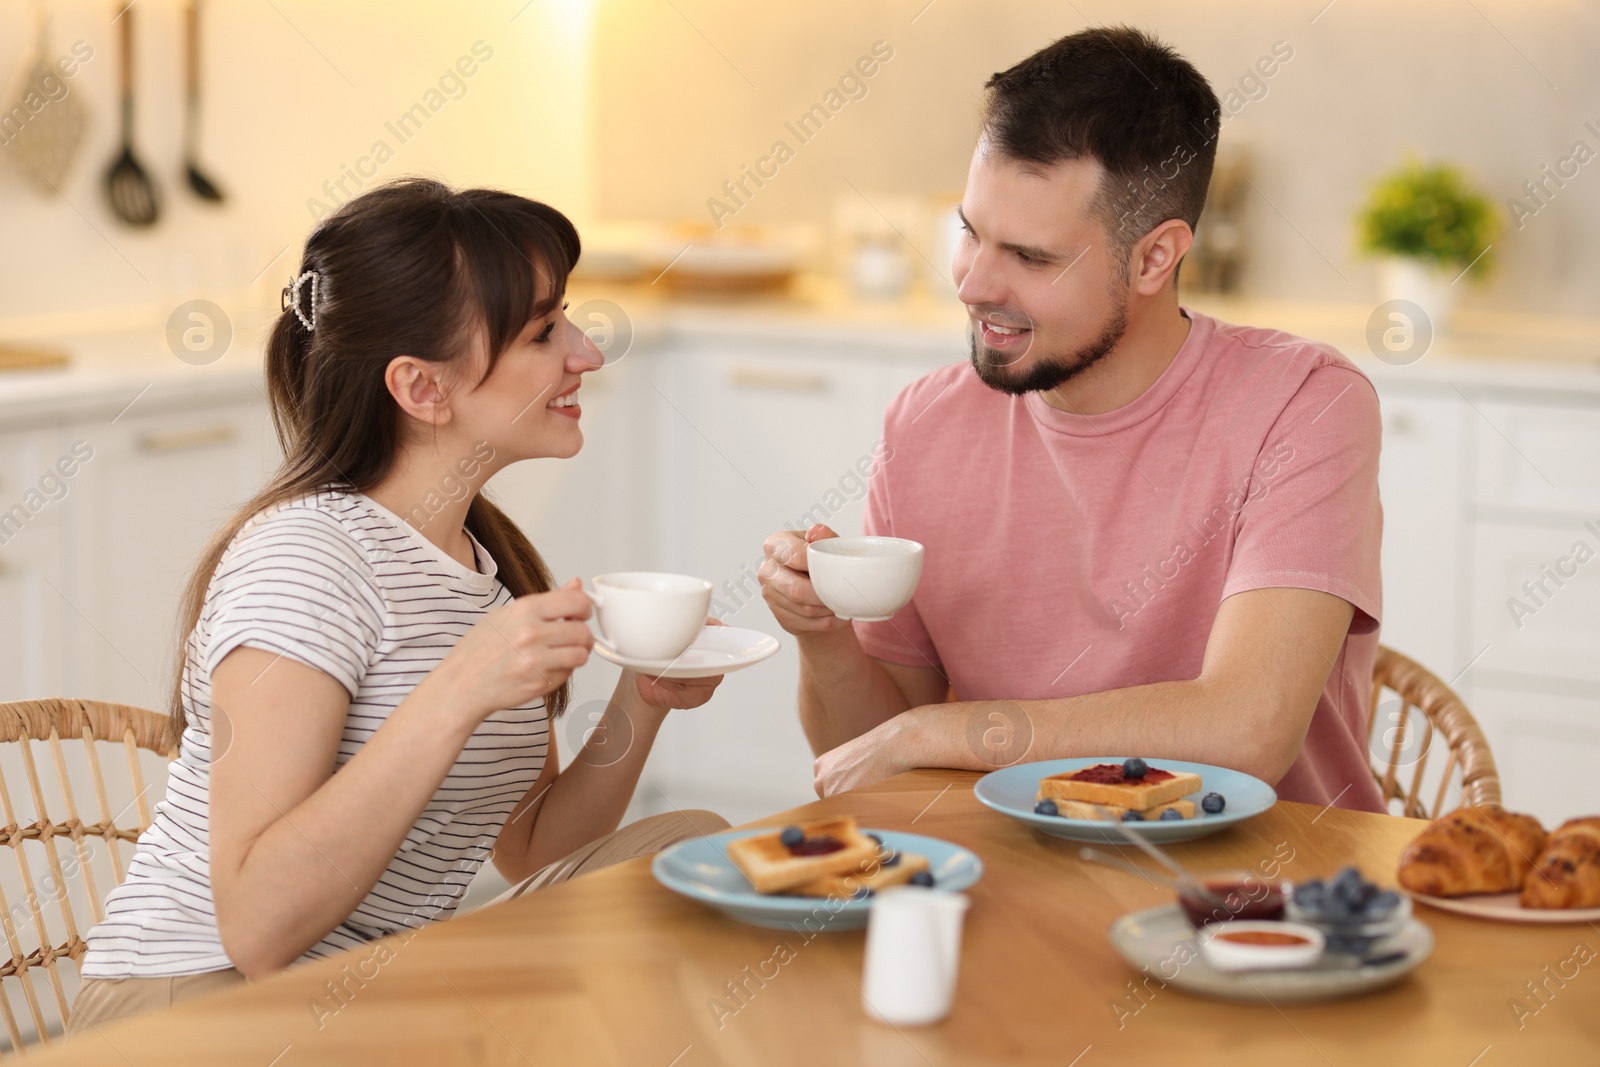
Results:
1161 941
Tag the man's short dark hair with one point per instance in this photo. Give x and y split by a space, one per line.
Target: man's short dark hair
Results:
1118 96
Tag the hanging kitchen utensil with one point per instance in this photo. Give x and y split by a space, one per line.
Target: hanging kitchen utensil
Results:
203 187
55 119
129 188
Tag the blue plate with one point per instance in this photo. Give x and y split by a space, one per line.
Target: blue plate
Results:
1014 790
700 870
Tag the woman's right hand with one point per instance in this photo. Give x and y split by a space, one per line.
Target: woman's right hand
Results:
519 652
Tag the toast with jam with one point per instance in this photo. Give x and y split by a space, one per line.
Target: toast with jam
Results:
797 855
1083 809
877 874
1111 785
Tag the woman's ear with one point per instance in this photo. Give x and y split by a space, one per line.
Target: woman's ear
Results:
418 386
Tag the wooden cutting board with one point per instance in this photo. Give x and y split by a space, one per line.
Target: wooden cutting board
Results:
31 357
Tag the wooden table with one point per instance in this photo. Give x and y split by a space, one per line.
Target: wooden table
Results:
614 969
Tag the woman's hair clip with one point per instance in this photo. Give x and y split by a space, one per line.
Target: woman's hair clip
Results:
290 300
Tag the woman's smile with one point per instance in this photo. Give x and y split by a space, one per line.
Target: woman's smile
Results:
566 404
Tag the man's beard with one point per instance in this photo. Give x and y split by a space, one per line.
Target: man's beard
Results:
1047 372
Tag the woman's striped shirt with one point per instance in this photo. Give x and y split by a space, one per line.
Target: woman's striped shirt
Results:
339 583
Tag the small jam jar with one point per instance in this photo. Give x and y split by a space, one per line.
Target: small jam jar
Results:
1223 896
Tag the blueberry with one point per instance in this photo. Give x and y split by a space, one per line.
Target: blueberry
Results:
876 839
862 893
791 836
1132 816
1134 768
1382 905
1171 815
1348 876
889 857
1213 803
1046 807
922 878
1310 895
1336 909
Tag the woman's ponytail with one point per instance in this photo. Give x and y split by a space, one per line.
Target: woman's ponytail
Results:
287 367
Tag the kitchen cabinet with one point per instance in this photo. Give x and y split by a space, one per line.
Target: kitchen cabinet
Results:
1546 743
753 438
756 441
31 648
1420 474
1491 569
1535 608
1536 454
143 509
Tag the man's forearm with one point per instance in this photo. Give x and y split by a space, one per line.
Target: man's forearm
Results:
843 692
1188 720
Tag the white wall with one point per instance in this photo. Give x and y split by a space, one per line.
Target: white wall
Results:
294 91
1503 87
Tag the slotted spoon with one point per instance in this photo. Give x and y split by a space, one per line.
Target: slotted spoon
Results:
129 188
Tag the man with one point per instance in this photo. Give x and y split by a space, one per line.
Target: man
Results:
1148 532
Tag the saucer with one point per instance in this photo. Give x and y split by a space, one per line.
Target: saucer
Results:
718 650
1160 942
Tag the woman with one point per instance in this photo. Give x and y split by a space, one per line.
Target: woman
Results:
423 341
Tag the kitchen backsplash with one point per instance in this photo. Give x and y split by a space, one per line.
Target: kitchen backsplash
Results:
815 112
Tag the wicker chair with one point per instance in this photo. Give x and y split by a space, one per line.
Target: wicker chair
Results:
42 928
1428 707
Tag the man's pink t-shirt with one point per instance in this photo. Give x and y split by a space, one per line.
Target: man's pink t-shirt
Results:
1071 554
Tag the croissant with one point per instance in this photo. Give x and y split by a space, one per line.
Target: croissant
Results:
1472 850
1567 874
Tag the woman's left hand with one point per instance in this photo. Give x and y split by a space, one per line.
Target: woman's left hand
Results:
678 693
675 692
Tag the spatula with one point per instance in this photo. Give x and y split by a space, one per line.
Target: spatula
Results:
129 189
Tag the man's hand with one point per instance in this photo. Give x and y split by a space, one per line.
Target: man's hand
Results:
880 753
786 584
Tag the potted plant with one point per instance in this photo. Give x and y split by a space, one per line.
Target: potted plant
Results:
1429 227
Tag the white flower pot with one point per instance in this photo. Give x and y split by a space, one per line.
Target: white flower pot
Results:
1423 284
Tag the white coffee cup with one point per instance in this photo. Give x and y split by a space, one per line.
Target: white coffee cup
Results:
865 578
913 955
648 616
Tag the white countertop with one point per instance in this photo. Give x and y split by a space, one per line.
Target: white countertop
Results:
111 373
117 357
